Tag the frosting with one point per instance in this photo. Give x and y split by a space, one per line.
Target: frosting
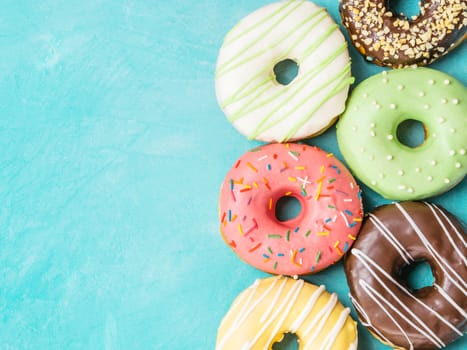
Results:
271 307
246 86
387 38
323 231
395 236
367 133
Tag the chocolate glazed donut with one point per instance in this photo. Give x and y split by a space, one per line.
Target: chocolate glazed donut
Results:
390 39
393 237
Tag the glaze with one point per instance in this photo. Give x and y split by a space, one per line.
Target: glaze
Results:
367 133
246 86
324 230
395 236
271 307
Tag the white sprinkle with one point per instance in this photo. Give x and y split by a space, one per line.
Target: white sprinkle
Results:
372 133
447 82
452 152
400 173
351 185
462 151
384 72
434 135
381 176
392 106
417 170
426 106
372 125
400 87
390 137
362 149
441 120
355 108
433 162
354 128
293 156
371 157
431 82
446 181
410 190
455 101
401 187
365 95
452 130
385 81
458 165
389 157
421 94
429 178
263 157
373 182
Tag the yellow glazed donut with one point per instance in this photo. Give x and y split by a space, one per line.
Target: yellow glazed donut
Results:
263 313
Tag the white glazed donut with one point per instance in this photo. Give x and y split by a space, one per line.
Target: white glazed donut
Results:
246 86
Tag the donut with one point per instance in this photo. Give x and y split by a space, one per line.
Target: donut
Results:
396 236
246 85
325 228
367 133
390 39
271 307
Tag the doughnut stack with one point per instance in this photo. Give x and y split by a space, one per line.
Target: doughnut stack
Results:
332 225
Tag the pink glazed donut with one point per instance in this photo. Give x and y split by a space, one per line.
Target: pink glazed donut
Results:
328 222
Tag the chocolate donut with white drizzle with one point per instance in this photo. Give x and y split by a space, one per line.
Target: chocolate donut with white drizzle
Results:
393 237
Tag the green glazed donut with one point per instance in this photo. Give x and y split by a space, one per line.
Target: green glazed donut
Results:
367 133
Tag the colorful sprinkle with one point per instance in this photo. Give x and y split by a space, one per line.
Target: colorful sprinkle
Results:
266 256
270 204
332 180
269 167
234 217
274 236
348 212
322 233
240 229
275 265
255 247
294 155
346 247
238 163
318 256
280 254
287 236
301 167
308 233
321 170
255 184
270 250
292 179
251 167
301 250
329 155
318 192
296 229
327 220
230 215
231 184
353 238
331 206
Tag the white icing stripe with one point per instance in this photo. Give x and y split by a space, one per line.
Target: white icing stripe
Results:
459 235
439 259
285 314
273 303
291 292
381 306
366 260
306 311
447 234
390 237
366 321
322 318
450 301
332 336
244 312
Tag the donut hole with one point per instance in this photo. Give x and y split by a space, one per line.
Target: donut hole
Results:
417 275
405 8
285 71
288 342
411 133
287 208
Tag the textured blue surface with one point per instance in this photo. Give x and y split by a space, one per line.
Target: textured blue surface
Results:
113 149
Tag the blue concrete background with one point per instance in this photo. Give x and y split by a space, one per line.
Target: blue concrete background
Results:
113 149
